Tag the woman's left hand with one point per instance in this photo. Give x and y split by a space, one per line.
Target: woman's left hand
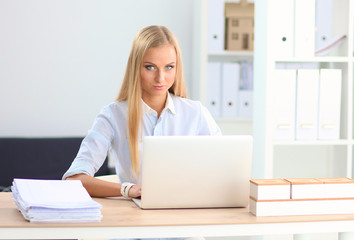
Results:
135 191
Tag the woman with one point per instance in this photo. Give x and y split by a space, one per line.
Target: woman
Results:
152 101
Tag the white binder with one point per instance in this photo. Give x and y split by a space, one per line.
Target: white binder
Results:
216 25
329 103
246 76
304 43
323 34
281 30
307 104
245 104
230 83
284 95
213 88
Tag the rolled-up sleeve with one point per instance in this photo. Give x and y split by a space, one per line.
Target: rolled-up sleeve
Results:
94 147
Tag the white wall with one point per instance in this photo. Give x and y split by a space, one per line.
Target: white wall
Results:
62 60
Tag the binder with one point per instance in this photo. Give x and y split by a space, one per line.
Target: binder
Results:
245 104
281 30
230 82
216 25
213 88
304 43
246 76
284 95
323 33
307 104
329 103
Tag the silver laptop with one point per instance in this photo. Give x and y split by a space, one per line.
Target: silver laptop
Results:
195 171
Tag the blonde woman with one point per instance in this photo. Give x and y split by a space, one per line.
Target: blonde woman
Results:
152 101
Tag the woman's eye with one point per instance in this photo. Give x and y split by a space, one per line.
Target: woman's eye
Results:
169 67
149 67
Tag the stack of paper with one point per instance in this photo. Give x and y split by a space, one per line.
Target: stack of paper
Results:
302 196
55 201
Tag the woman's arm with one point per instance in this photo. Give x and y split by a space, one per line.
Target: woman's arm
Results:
100 188
208 126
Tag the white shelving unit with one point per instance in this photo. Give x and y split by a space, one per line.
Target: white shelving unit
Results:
317 158
201 58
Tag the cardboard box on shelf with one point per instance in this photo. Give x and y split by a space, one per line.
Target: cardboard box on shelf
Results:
239 26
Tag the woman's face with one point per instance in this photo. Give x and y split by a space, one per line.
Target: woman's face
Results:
158 72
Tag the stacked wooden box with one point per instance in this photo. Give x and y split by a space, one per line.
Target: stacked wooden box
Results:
301 196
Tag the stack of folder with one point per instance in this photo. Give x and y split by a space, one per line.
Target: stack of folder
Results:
301 196
55 201
230 89
307 104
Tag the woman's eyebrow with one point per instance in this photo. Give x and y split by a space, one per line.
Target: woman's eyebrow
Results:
155 64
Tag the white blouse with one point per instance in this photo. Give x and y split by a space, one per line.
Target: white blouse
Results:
108 134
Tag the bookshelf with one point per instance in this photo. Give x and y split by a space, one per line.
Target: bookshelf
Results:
203 56
302 158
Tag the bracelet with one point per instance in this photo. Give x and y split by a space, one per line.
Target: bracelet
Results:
124 189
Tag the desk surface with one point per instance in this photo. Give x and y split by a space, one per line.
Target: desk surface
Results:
122 218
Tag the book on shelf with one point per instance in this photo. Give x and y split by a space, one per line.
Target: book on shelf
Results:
54 201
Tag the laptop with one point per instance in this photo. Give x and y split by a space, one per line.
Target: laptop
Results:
195 171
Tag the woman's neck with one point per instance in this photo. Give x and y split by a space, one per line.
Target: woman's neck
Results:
157 103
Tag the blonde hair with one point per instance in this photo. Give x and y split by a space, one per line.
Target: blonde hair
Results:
148 37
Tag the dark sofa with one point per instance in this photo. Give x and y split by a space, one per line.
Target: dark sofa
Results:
38 158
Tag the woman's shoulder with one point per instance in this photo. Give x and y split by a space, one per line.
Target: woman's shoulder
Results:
114 107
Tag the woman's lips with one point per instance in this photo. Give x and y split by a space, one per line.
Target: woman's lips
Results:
159 87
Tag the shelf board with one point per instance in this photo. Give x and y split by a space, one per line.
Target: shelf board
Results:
230 56
233 120
232 53
311 142
314 59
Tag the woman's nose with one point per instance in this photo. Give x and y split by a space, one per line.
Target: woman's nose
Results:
160 76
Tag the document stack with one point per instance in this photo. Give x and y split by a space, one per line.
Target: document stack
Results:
55 201
301 196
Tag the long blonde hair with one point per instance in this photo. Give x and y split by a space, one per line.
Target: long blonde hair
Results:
148 37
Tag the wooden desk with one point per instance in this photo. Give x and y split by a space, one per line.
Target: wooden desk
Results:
122 219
